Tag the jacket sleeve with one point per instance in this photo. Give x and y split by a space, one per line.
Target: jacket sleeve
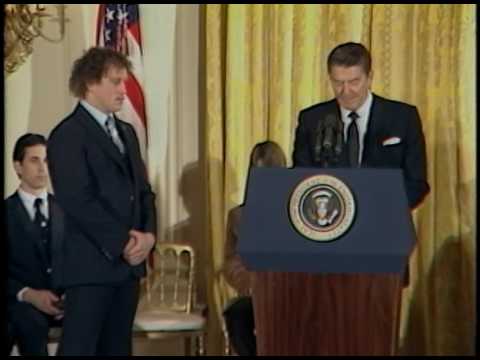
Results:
147 196
13 284
415 161
13 287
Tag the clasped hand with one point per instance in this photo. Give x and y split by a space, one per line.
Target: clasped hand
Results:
138 247
45 301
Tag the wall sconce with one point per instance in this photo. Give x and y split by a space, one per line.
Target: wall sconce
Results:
23 23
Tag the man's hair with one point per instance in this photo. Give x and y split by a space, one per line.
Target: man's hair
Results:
350 54
268 154
26 141
92 66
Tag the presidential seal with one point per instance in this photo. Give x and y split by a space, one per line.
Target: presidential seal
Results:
322 208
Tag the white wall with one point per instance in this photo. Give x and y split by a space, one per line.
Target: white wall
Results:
36 95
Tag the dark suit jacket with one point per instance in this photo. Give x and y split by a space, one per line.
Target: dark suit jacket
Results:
387 119
103 194
27 257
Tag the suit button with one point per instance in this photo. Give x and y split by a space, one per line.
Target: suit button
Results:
132 198
49 270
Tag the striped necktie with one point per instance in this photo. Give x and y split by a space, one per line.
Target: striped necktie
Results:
113 133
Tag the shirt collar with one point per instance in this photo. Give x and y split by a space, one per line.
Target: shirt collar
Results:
362 111
30 198
28 201
97 114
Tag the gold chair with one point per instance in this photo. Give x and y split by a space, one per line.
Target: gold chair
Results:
227 349
167 302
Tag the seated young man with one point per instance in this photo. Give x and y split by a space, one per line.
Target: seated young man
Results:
34 234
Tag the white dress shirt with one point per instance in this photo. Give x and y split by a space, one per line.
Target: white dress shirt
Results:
363 113
98 115
28 201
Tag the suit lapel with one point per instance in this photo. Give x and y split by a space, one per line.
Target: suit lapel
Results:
100 136
31 229
130 148
375 124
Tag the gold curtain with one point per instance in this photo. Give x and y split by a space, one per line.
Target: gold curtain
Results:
263 63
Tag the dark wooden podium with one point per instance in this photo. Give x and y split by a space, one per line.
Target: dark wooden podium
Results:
327 298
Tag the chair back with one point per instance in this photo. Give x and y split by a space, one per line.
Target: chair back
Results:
170 278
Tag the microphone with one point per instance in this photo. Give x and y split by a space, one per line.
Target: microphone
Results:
318 142
330 125
339 145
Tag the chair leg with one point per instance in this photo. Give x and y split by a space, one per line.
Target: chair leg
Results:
226 340
188 346
200 344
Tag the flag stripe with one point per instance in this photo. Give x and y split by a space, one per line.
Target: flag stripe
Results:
135 32
135 94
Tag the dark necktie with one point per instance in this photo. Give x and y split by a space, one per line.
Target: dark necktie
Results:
41 221
353 145
113 133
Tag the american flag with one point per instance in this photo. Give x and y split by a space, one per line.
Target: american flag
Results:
118 27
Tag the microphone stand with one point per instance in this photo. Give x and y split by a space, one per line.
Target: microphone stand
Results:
330 156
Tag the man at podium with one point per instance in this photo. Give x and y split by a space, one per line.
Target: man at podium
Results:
361 129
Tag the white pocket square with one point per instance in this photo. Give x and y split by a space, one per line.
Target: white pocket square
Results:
391 141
